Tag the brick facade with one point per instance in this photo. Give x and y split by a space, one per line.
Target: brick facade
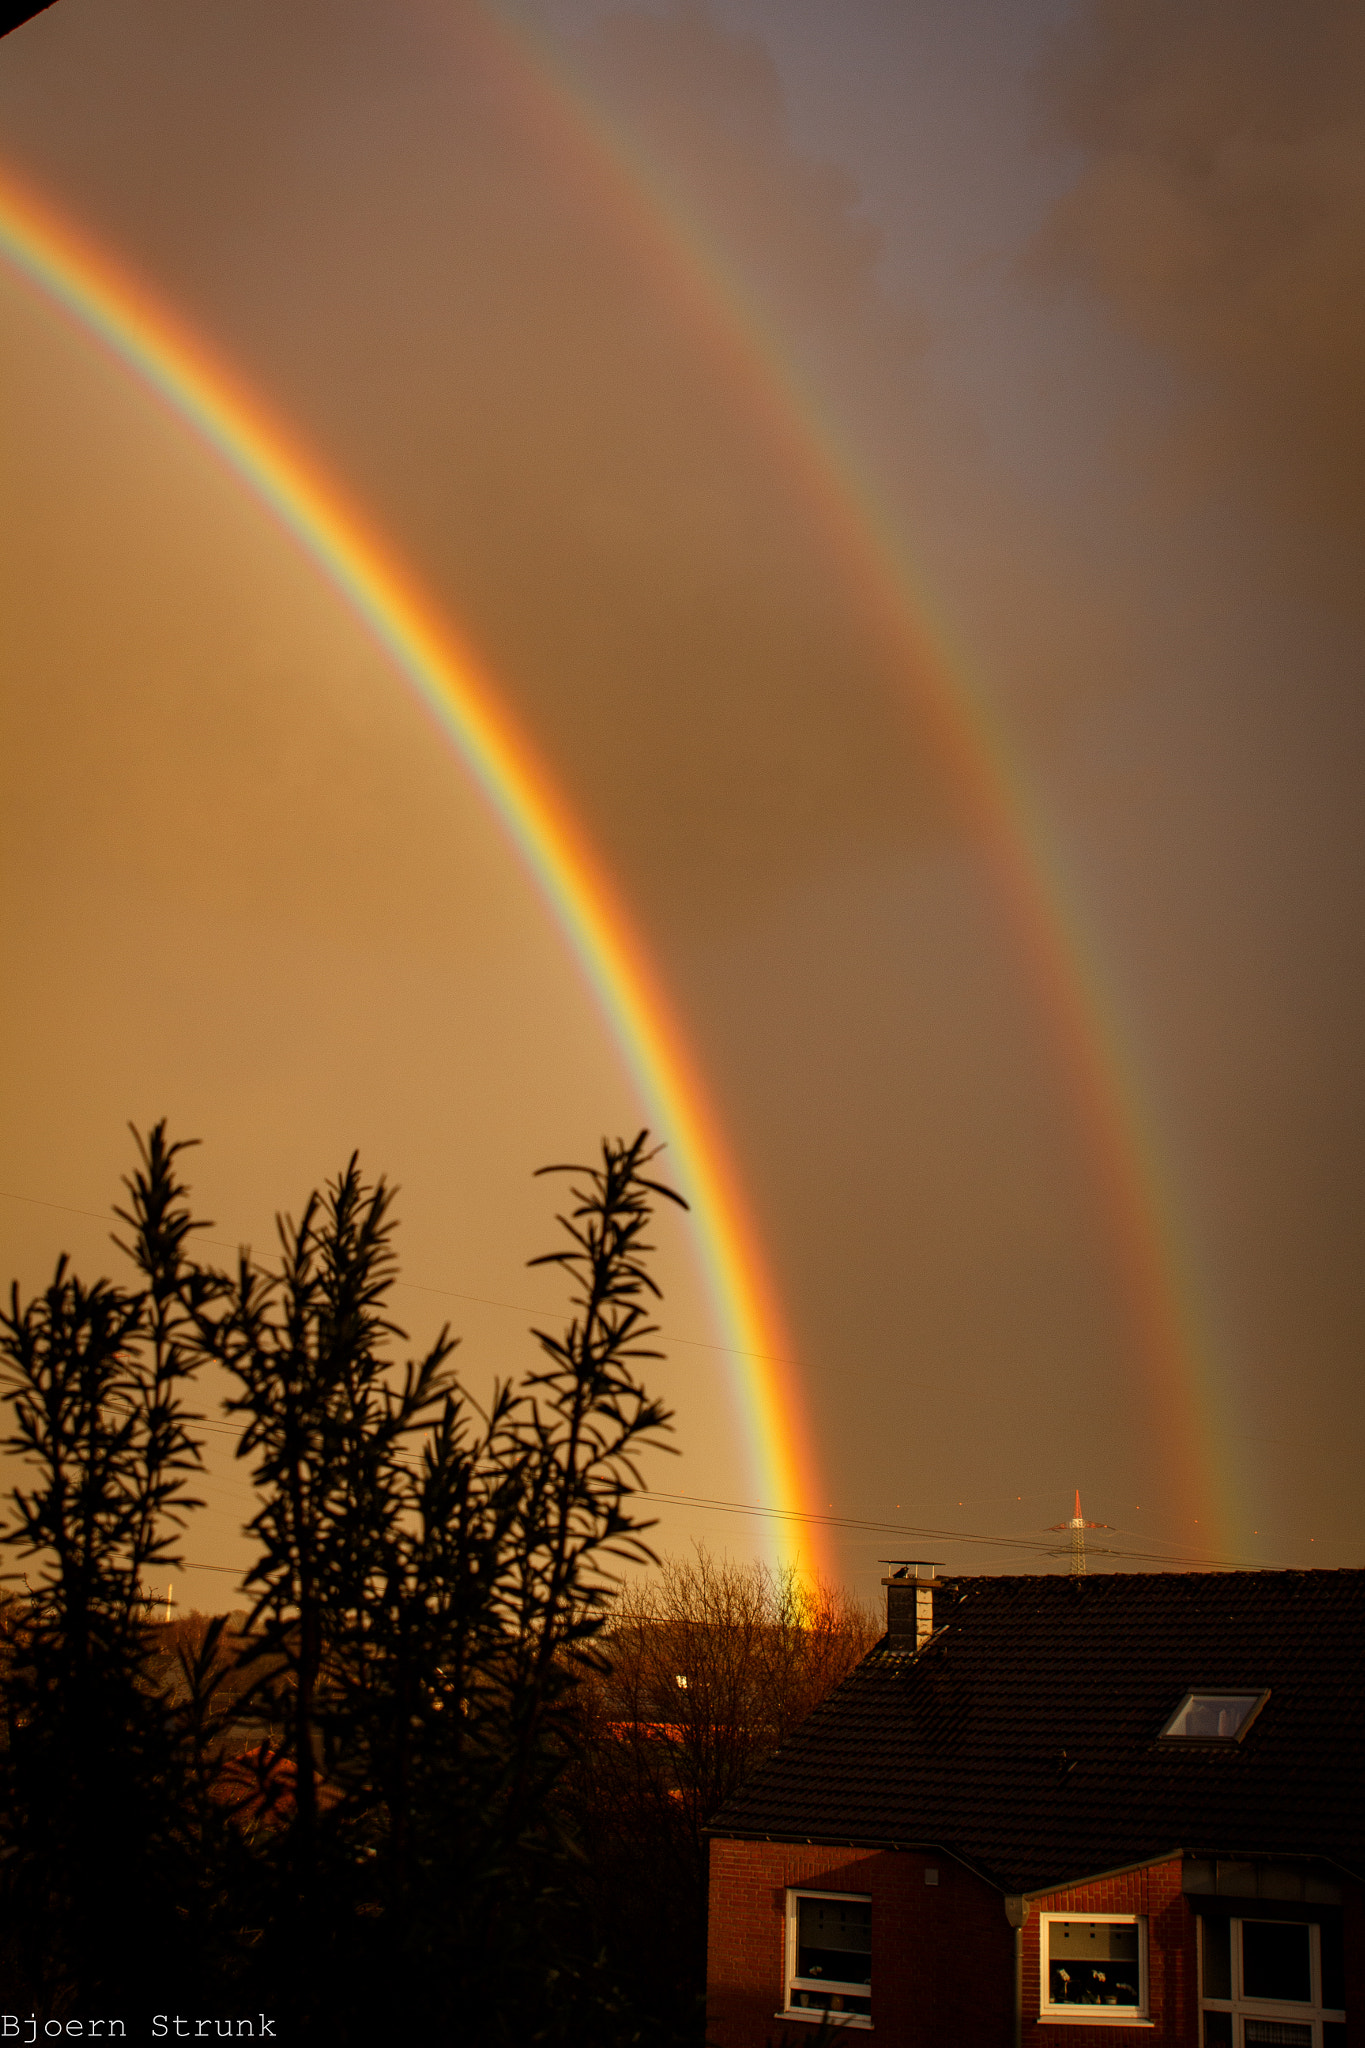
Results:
1172 1958
1032 1730
942 1954
1353 1899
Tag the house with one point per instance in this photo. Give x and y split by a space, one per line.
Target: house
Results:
1045 1810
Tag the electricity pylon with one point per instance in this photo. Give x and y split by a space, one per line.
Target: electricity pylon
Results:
1078 1526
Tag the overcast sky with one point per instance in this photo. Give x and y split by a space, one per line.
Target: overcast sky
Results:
1075 290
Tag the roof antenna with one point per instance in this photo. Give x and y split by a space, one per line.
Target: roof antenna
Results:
1078 1526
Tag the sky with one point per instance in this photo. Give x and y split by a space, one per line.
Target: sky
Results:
903 464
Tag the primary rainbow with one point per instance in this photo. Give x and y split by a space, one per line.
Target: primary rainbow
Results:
105 302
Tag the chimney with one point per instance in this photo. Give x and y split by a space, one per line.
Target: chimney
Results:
909 1601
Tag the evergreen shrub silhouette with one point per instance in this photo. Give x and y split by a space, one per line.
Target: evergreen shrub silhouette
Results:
373 1845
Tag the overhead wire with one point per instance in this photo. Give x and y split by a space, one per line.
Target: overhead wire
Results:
691 1343
1171 1558
939 1535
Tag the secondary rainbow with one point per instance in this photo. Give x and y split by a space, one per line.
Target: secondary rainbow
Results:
981 764
104 301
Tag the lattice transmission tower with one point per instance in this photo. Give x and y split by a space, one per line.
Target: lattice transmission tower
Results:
1077 1526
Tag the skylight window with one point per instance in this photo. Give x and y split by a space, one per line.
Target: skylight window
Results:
1214 1716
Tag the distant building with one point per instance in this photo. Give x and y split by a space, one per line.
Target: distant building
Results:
1045 1810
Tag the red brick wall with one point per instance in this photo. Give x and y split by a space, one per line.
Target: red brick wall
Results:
1172 1970
1353 1900
942 1955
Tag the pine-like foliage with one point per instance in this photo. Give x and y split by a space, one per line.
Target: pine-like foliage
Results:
430 1579
94 1836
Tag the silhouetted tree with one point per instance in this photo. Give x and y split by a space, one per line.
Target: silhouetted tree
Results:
431 1580
92 1778
708 1665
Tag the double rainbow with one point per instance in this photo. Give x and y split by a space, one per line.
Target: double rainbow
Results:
104 301
981 763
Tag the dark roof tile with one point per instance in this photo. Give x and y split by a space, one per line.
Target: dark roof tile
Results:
961 1746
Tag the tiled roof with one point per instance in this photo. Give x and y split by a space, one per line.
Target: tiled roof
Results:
1023 1738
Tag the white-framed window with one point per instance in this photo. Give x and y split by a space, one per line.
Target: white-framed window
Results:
829 1957
1093 1967
1270 1983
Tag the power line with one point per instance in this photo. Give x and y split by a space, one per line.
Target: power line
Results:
1030 1546
956 1535
691 1343
519 1308
745 1507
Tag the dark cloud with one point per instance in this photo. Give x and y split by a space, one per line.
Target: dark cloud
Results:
1220 211
705 107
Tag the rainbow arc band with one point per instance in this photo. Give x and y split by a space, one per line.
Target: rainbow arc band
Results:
1150 1240
109 306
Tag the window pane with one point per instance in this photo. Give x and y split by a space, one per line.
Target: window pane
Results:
834 1940
1334 2034
1217 2030
1211 1716
1093 1962
1216 1939
1276 1961
1278 2034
